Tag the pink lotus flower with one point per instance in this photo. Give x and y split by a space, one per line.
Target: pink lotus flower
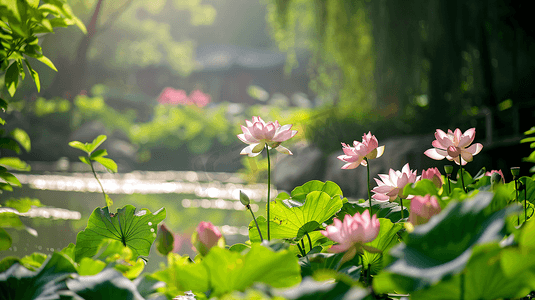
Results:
453 144
353 233
199 98
207 237
391 186
434 175
355 155
258 134
423 208
171 96
502 180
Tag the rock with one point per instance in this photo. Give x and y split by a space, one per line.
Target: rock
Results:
304 165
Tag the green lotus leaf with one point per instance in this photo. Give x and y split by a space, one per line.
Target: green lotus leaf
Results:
421 188
18 282
386 239
332 189
230 271
483 277
108 284
387 210
443 246
288 220
135 230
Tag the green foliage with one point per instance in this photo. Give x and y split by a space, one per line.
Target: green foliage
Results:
386 239
135 230
531 140
290 220
223 271
20 24
442 247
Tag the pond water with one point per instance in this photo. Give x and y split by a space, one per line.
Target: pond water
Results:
188 197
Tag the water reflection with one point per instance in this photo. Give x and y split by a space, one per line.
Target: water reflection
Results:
220 191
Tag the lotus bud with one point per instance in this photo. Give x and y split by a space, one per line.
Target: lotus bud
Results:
206 237
434 175
496 178
423 208
244 199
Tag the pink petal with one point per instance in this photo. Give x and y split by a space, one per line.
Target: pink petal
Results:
433 153
467 156
467 138
475 148
380 197
284 135
284 150
380 151
457 136
350 166
443 139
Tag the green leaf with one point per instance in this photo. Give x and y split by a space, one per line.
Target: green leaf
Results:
85 160
89 266
286 222
33 73
388 210
106 285
80 145
12 79
3 105
442 247
483 278
33 261
109 202
332 189
319 261
45 60
10 178
98 153
9 219
528 189
22 137
45 283
95 143
136 230
386 239
107 162
164 240
230 271
530 131
421 188
23 205
8 143
15 163
5 240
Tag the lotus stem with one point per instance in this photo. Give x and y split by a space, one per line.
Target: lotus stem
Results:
303 244
462 287
309 241
525 205
268 193
301 250
368 182
401 202
368 274
516 199
257 227
449 184
96 177
461 171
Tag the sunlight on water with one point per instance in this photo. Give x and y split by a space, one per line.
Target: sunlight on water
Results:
203 189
